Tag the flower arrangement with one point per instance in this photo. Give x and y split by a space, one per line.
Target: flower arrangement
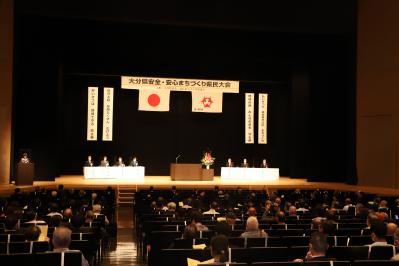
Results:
207 159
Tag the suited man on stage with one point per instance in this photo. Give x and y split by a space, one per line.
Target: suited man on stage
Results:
264 164
89 162
105 162
245 163
120 162
134 162
25 158
229 163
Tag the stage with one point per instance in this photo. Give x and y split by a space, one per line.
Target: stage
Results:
165 182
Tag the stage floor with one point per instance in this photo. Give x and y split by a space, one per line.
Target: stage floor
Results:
165 182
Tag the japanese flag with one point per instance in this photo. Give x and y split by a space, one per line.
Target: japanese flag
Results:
154 100
207 102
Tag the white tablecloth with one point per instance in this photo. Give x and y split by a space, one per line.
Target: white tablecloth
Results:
128 172
250 174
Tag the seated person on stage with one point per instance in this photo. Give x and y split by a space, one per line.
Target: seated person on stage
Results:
229 163
264 164
25 158
89 161
105 161
245 163
120 162
134 162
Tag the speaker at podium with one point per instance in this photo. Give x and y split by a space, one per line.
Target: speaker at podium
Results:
25 171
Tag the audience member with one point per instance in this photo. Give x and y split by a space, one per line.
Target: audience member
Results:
219 248
317 248
196 219
213 209
252 229
32 233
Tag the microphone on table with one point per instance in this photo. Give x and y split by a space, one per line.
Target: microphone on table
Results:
178 157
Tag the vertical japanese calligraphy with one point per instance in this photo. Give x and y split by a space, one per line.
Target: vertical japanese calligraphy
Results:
262 118
108 113
249 118
92 109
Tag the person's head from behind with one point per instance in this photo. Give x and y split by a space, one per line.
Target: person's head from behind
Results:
378 230
252 224
391 229
190 232
214 205
62 237
231 218
318 244
67 213
196 217
220 248
30 215
371 218
11 222
96 208
222 228
90 215
94 196
292 210
327 227
54 193
55 220
280 217
53 207
171 206
396 238
78 221
251 211
32 233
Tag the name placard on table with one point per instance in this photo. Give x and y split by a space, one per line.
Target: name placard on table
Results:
249 174
112 172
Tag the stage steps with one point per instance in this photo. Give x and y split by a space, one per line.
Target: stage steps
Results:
125 195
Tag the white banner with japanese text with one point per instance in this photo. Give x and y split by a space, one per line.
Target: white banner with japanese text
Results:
177 84
262 118
207 102
92 111
249 118
108 113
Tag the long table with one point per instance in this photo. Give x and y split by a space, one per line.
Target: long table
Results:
250 174
129 172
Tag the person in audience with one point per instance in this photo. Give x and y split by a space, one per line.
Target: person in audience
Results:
268 211
378 230
348 203
280 217
55 221
318 246
190 232
11 224
196 219
93 198
187 203
134 162
292 210
222 228
89 162
104 162
25 158
396 244
220 248
391 228
382 216
231 218
32 233
67 213
229 163
61 241
244 163
171 208
370 219
252 229
89 217
327 227
77 224
251 211
213 209
120 162
383 207
264 164
54 210
97 212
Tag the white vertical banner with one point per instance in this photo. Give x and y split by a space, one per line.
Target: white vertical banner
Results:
92 111
249 118
108 113
262 118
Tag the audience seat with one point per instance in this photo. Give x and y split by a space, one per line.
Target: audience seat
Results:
375 263
382 252
350 253
54 258
179 256
17 259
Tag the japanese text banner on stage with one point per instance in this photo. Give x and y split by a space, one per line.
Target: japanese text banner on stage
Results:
177 84
207 102
249 118
108 113
92 110
262 118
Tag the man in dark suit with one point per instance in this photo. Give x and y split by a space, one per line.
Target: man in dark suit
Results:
229 163
120 162
245 163
89 162
264 164
134 162
105 162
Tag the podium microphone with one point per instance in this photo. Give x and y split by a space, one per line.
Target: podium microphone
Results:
178 157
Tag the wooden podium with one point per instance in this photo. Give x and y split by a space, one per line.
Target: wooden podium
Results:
190 172
24 174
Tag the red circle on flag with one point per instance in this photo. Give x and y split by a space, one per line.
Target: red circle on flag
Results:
154 100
